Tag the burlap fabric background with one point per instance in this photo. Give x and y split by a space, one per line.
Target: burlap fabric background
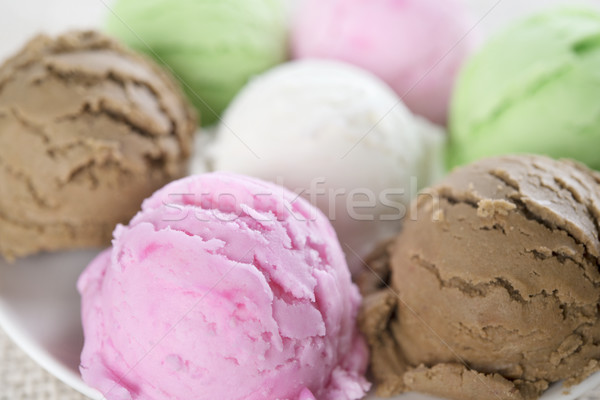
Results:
22 379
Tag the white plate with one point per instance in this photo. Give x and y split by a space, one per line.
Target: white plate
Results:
39 310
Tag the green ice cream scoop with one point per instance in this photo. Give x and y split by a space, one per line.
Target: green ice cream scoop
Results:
533 89
213 47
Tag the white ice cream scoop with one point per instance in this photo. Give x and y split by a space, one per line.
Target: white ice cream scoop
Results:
340 137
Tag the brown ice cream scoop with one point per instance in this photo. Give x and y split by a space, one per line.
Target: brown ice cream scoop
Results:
88 129
492 289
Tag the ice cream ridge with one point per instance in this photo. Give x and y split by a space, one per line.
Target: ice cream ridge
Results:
88 130
223 287
491 289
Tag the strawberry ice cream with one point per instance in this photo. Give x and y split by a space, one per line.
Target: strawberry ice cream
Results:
223 287
416 46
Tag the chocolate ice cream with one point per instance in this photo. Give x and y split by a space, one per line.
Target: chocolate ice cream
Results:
88 129
492 289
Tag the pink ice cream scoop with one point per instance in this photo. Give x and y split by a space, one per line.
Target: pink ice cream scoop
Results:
223 287
416 46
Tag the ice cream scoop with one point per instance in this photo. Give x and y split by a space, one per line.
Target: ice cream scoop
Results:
493 284
532 89
338 136
88 130
223 287
416 46
213 46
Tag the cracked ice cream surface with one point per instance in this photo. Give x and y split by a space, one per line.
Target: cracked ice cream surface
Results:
499 268
88 130
226 287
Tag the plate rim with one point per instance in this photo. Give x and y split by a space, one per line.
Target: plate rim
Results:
41 357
